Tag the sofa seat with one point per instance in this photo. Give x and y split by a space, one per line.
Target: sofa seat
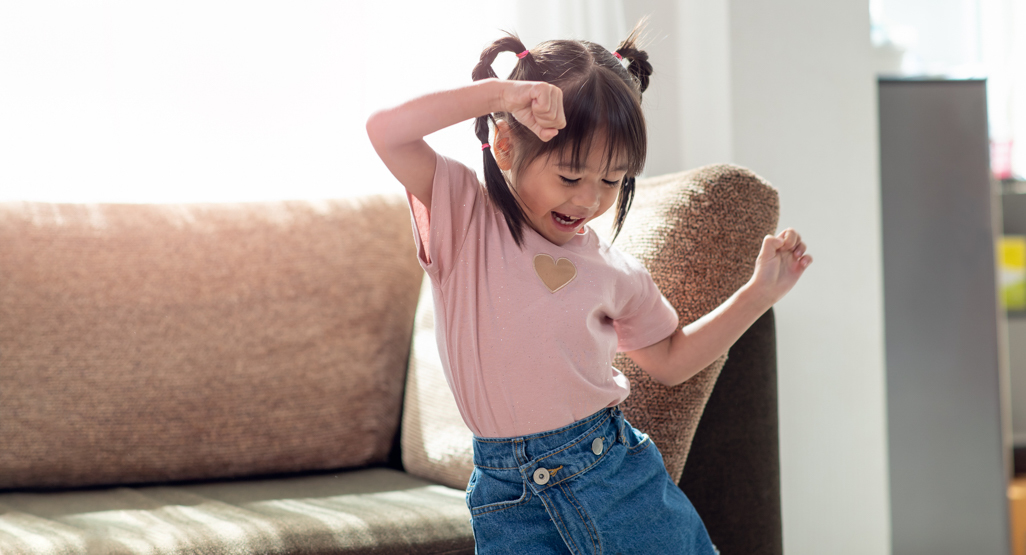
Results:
375 510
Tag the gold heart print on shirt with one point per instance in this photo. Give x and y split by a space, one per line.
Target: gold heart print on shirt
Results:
555 274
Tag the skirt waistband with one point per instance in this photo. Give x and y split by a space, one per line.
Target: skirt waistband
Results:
517 452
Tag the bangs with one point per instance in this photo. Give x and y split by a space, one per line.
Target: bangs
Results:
601 106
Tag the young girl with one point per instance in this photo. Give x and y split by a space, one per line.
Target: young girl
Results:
531 305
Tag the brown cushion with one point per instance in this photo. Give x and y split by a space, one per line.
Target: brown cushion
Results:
164 342
698 233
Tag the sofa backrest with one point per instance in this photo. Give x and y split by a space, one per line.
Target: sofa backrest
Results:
144 343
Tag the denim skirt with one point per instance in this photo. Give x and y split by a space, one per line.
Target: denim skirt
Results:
595 486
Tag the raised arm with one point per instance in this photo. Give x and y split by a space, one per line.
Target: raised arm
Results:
782 260
397 134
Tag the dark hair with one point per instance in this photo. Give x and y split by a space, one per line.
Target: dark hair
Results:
599 93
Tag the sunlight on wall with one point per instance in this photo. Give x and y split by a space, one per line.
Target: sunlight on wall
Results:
219 101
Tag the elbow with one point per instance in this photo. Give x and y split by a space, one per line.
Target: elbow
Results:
378 127
662 360
665 379
661 374
668 374
374 128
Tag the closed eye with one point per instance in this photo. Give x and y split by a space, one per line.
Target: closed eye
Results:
613 183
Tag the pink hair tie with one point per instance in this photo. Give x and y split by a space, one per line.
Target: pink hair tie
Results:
523 54
618 56
484 146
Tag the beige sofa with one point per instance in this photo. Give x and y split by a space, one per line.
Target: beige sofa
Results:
239 378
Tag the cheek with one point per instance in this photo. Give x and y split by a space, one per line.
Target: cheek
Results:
547 196
534 198
609 199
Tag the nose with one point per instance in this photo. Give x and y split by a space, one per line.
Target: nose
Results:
587 196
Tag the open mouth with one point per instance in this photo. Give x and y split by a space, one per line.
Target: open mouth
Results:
566 221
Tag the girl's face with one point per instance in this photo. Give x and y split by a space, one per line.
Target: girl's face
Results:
559 201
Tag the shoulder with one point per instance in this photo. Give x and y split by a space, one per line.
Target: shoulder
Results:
616 257
461 180
451 169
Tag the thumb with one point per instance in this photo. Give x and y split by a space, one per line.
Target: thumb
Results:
770 244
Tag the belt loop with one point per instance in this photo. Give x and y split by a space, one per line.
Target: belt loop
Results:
518 450
620 425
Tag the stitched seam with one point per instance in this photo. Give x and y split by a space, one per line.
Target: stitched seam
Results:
573 427
585 469
494 507
584 520
640 447
498 467
581 439
565 533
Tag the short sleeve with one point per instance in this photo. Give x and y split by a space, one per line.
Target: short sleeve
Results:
441 230
648 318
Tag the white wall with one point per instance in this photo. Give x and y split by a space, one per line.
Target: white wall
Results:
786 88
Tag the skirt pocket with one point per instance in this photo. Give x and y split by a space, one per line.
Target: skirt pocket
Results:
493 490
635 440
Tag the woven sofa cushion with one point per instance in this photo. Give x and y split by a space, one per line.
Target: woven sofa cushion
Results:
376 510
698 233
143 343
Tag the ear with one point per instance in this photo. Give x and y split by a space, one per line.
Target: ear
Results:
502 146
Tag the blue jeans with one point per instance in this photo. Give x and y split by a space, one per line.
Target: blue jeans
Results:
595 486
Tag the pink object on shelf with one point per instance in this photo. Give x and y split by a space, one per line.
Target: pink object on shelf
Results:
1001 159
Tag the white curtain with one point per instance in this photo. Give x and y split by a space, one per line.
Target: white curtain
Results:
1004 57
227 100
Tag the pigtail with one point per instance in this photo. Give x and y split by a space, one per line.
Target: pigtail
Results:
623 204
641 71
638 67
495 182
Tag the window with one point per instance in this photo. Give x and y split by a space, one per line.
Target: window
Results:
219 100
964 38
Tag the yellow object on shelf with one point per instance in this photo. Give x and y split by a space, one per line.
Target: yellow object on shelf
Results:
1017 514
1011 258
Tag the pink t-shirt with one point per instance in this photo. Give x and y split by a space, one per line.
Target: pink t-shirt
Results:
527 341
